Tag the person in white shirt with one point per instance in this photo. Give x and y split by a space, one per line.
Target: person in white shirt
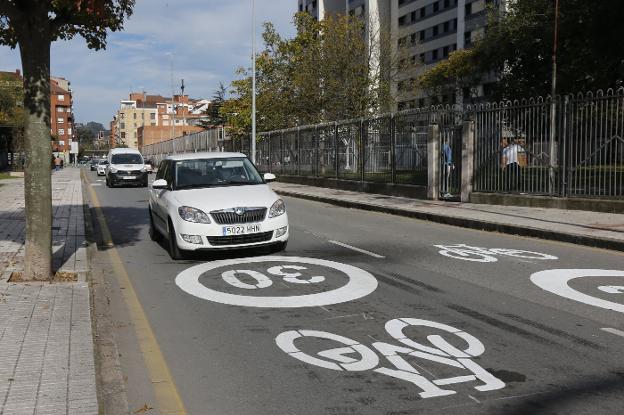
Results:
512 165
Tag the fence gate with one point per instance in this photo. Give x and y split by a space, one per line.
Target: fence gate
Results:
450 162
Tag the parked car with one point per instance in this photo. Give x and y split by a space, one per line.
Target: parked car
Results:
125 166
94 164
101 167
215 201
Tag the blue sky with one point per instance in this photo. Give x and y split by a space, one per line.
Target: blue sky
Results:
208 40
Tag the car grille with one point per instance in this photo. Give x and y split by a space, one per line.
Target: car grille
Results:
240 239
229 216
129 172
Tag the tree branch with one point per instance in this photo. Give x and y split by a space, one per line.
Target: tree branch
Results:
8 9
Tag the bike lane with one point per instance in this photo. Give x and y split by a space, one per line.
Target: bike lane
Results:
425 328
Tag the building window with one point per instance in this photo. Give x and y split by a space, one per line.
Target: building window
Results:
69 132
60 97
445 51
446 4
122 125
436 6
61 131
467 38
434 55
300 7
152 116
134 115
422 35
468 9
435 30
60 120
422 13
422 58
60 109
446 27
123 135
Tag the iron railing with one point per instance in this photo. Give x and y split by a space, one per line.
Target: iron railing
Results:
515 150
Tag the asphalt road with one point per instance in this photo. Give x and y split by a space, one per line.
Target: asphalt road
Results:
432 333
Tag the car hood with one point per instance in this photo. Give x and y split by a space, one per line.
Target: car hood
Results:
127 166
215 198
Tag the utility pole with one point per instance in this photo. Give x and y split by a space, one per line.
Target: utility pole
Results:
553 105
172 109
253 81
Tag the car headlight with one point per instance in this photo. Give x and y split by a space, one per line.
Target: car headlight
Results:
278 208
143 169
112 169
190 214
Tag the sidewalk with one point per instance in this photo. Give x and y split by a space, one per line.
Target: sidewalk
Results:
46 344
605 230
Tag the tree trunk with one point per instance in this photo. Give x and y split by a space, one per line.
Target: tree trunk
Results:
34 42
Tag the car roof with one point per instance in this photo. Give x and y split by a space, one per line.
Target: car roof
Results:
124 150
203 155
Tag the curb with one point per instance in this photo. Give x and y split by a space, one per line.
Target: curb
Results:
467 223
111 388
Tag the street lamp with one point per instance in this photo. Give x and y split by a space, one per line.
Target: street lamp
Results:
253 81
553 104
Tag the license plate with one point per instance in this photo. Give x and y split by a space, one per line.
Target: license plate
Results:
241 229
129 177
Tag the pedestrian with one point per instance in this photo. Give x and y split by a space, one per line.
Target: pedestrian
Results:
62 164
511 164
448 167
57 163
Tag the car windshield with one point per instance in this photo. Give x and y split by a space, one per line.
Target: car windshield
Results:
215 172
127 158
103 162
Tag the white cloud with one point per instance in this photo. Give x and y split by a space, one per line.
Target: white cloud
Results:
208 40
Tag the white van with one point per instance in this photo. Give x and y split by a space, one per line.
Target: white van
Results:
125 166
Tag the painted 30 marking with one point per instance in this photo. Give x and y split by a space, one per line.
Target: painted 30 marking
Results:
360 283
352 356
556 282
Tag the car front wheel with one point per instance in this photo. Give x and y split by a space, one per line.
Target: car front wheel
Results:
174 252
153 233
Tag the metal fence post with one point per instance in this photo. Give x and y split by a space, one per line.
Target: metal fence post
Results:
362 150
269 159
565 137
298 153
393 172
336 148
467 167
433 158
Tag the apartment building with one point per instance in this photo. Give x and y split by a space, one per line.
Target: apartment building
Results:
423 32
61 116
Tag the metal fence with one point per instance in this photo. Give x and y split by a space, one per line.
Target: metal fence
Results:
212 139
516 149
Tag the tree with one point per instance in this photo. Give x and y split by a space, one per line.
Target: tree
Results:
32 25
327 72
518 46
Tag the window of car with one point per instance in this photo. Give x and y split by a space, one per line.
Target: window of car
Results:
103 162
213 172
127 158
162 169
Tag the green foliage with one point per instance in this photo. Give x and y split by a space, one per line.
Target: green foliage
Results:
519 46
11 101
326 72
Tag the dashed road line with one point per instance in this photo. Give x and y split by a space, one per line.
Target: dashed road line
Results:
363 251
613 331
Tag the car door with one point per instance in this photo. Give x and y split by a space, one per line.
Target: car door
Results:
156 195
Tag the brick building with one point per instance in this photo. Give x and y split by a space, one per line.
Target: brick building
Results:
61 117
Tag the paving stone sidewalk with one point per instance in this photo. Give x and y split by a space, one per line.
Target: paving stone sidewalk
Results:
604 230
46 345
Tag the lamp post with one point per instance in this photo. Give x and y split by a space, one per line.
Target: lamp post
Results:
553 104
253 81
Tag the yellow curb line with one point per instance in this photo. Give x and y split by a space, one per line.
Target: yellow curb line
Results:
165 391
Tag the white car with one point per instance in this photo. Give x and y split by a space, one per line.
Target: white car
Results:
101 167
215 201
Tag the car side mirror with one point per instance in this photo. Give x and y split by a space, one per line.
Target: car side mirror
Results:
159 184
269 177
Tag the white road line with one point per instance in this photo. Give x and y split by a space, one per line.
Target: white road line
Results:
363 251
613 331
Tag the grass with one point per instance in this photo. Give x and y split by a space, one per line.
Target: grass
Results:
5 176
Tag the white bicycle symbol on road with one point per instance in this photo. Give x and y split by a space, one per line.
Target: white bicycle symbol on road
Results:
479 254
353 356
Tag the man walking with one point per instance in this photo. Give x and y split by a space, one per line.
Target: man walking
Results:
57 163
512 164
